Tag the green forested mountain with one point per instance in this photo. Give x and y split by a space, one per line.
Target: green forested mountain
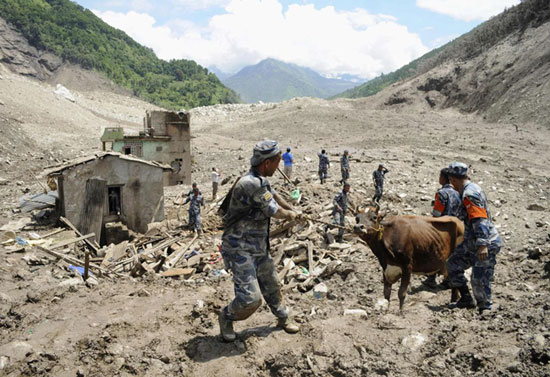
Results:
78 36
529 13
272 81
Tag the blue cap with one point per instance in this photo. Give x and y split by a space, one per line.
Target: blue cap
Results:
263 151
458 169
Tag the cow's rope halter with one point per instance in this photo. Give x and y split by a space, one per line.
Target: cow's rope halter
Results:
379 231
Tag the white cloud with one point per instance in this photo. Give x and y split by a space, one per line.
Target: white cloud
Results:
199 4
467 10
329 41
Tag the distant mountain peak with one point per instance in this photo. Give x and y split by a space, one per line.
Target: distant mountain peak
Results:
272 80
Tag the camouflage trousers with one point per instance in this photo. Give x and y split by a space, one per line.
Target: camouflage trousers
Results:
339 219
345 175
465 257
323 174
194 220
378 193
253 277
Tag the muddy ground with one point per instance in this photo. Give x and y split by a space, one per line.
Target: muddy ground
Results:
161 326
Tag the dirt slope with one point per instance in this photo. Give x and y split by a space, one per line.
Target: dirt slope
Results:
510 82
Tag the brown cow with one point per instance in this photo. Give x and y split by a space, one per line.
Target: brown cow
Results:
409 244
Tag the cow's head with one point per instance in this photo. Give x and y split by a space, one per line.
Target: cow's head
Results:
367 220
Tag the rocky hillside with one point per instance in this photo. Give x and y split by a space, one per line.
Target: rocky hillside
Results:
499 70
62 31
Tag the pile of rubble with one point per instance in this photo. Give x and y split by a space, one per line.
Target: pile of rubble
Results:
305 252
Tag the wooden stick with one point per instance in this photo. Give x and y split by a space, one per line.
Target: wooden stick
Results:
70 225
52 233
327 223
310 256
40 183
86 264
71 241
285 177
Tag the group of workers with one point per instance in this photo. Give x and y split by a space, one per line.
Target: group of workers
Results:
253 202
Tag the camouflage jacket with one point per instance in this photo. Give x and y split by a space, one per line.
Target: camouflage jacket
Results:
246 223
344 162
378 176
342 201
448 203
479 229
323 161
196 202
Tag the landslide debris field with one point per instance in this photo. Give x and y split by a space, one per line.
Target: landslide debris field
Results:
53 324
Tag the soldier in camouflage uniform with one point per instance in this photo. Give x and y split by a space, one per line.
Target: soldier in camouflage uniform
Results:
324 164
378 179
481 243
340 207
344 167
194 197
245 242
447 203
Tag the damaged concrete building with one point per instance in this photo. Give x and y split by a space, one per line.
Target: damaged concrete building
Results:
110 187
166 138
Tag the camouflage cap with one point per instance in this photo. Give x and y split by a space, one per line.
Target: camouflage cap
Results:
458 169
264 150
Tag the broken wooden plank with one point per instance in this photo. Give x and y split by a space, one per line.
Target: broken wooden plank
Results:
74 260
185 272
71 241
114 253
288 265
66 221
310 256
174 258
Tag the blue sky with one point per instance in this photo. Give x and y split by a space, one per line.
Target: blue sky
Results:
362 38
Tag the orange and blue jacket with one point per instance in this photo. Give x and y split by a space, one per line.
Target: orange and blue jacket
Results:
479 228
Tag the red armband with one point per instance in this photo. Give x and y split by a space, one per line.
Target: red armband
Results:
438 206
474 211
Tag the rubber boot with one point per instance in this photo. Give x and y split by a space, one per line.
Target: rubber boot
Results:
287 325
466 301
226 328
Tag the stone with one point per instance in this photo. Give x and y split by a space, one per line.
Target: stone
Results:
414 341
514 367
320 291
356 312
5 299
16 350
3 362
535 207
534 253
72 282
539 339
63 92
381 304
3 181
33 297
